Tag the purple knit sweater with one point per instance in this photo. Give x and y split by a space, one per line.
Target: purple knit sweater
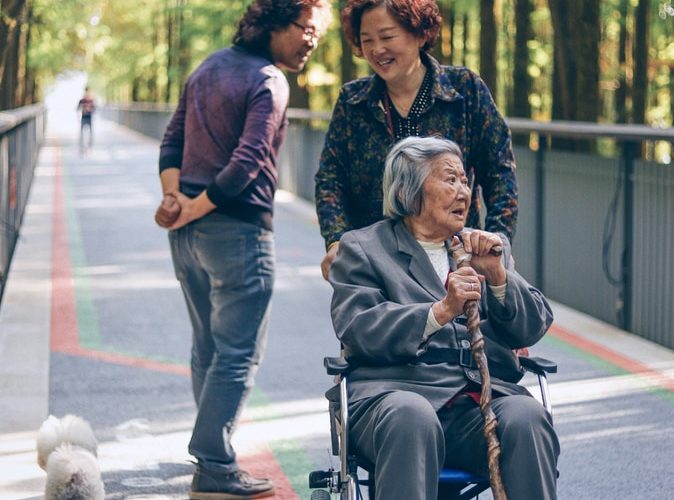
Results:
226 133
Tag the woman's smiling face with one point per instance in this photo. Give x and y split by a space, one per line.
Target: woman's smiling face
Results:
391 51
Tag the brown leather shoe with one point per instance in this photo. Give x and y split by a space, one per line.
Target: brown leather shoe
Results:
211 484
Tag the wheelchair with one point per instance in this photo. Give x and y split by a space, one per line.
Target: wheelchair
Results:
454 484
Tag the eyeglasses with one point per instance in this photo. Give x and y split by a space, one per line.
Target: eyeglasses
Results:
310 33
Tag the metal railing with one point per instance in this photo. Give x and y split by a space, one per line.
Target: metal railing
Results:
600 193
595 232
21 135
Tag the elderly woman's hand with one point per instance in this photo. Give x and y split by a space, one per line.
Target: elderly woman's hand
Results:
485 261
462 285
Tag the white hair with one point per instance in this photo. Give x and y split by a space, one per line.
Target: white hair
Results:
407 166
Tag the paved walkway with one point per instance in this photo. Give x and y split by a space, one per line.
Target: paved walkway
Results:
93 323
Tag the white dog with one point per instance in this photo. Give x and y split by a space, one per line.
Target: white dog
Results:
66 449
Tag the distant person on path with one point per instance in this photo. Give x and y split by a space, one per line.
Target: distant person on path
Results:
218 169
409 94
86 107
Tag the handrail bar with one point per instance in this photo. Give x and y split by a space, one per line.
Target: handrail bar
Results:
585 130
559 128
9 119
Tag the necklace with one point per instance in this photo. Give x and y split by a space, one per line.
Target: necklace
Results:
399 126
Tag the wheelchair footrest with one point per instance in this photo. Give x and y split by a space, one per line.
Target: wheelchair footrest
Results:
320 478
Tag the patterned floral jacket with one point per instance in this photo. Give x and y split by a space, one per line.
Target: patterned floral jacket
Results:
349 178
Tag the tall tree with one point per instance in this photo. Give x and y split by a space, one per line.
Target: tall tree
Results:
12 52
586 49
466 36
170 50
622 91
576 59
299 94
488 52
348 68
183 49
444 50
521 78
640 83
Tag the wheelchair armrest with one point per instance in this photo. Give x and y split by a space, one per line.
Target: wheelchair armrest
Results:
335 366
538 365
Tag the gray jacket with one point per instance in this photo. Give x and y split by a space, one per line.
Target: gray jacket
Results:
384 286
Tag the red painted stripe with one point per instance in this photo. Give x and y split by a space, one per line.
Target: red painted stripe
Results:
621 361
64 327
64 330
65 333
124 360
264 464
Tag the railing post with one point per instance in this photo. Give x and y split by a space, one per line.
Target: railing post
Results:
625 314
539 271
5 235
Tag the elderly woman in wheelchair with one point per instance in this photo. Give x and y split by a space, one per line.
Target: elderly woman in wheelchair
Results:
397 309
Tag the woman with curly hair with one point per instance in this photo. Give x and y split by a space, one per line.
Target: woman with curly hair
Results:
409 94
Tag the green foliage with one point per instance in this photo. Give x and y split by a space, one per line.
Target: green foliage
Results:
143 49
60 36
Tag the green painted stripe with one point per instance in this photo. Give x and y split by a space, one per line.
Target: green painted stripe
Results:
602 364
290 454
87 318
293 460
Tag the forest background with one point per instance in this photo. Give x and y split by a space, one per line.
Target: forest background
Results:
608 61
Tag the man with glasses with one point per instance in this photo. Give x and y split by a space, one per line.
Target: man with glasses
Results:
218 170
309 32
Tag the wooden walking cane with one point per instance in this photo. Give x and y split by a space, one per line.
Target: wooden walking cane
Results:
470 309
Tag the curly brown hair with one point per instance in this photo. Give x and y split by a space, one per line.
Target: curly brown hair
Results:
420 17
264 16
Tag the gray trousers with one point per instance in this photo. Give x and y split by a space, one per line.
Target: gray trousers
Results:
409 443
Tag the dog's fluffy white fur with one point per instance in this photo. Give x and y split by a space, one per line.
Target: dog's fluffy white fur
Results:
66 449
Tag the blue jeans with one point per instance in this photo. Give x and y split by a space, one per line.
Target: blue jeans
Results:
226 271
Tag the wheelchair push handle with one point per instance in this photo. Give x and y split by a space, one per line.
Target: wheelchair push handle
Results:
336 365
538 365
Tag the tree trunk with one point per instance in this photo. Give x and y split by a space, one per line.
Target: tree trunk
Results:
135 89
564 63
444 49
621 92
170 29
152 81
184 52
575 92
29 84
348 68
488 51
521 78
299 95
451 22
466 31
20 97
587 61
11 57
640 85
29 77
671 96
